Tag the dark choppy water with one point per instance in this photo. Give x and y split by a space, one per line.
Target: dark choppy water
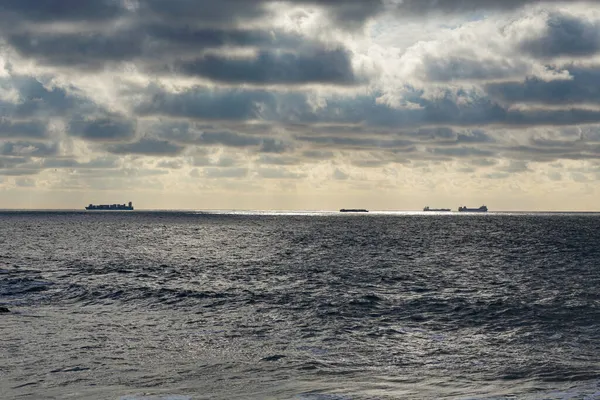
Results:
217 306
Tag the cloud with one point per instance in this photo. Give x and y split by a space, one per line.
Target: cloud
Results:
318 154
185 38
217 173
194 11
548 154
497 175
450 107
83 50
283 58
267 159
474 136
278 146
28 149
425 7
103 129
170 164
484 162
450 68
22 129
342 142
203 103
151 147
340 175
278 173
187 134
96 163
372 161
19 171
564 35
228 12
321 66
37 100
11 161
226 138
463 152
516 167
65 10
25 182
154 34
579 88
555 176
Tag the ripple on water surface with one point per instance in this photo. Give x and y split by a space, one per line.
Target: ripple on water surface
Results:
162 305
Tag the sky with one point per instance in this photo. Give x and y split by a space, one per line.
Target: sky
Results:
306 104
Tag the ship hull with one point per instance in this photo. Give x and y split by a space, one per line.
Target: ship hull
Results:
109 209
482 209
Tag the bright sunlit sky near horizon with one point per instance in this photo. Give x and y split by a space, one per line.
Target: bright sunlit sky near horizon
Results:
312 104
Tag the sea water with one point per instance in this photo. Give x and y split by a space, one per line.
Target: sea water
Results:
306 306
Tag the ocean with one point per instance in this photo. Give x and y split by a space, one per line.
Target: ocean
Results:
305 306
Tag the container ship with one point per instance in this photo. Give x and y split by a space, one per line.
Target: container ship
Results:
110 207
466 209
437 209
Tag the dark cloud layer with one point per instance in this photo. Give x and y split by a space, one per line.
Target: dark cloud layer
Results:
152 43
194 11
565 36
189 38
62 10
84 50
232 11
581 88
96 163
22 129
446 110
322 66
204 103
187 134
28 149
346 12
103 129
151 147
451 68
36 100
159 30
421 7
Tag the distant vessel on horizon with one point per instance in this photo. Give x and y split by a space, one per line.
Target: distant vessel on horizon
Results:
110 207
437 209
353 210
466 209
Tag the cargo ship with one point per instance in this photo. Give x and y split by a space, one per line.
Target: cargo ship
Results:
437 209
353 210
466 209
110 207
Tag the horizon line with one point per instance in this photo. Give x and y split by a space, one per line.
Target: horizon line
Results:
302 210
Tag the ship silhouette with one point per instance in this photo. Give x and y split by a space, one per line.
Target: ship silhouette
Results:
110 207
466 209
436 209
